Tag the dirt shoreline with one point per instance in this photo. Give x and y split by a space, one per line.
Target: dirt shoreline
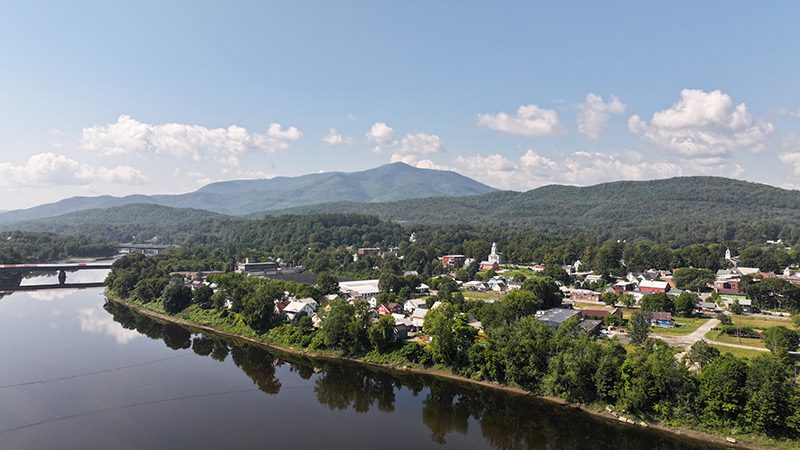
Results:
682 432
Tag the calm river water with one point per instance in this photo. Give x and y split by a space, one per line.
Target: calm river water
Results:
79 373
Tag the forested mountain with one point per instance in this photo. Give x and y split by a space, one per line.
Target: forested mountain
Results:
390 182
697 208
135 223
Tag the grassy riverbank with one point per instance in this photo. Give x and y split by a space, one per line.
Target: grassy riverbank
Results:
219 323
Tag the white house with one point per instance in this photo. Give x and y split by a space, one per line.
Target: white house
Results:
309 301
411 305
293 309
360 288
418 317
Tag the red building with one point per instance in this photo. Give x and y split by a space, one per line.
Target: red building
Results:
653 287
453 261
729 287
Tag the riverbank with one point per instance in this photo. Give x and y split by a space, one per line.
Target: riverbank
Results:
443 374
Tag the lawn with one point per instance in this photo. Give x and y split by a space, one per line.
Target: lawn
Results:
761 323
482 295
738 352
683 326
728 339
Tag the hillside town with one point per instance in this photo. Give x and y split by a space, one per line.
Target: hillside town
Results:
680 312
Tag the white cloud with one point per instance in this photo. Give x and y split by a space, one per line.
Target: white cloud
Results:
95 322
792 159
50 169
593 114
381 135
579 168
411 149
529 120
420 144
703 125
335 138
129 136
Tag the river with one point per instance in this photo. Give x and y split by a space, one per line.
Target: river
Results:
78 372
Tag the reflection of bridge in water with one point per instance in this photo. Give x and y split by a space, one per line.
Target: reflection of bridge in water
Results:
11 275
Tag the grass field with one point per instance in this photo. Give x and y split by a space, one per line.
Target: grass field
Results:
760 323
482 295
722 337
683 326
738 352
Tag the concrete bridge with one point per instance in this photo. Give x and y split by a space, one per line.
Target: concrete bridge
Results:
53 267
145 249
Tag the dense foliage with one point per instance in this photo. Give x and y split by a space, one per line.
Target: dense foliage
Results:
24 247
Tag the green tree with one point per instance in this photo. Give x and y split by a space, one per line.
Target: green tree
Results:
736 308
781 340
335 318
657 302
770 395
545 289
381 334
609 298
685 303
176 297
702 353
571 370
608 378
523 347
639 327
627 300
201 296
722 390
691 279
654 383
521 303
451 335
327 284
259 305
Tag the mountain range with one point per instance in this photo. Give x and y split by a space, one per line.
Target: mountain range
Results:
391 182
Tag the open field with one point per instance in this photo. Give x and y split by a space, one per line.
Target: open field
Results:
722 337
482 295
738 352
762 323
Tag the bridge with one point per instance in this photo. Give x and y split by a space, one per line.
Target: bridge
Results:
145 249
53 267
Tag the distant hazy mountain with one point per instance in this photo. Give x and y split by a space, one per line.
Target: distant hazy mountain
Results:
390 182
676 210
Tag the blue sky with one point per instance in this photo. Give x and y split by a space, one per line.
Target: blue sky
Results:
161 97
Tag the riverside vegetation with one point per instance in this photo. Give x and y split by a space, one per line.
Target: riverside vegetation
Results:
757 399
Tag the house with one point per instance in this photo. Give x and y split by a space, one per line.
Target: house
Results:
556 316
454 261
747 305
411 305
389 308
360 289
400 331
280 306
309 301
591 278
493 261
294 309
752 271
662 320
497 284
592 327
332 297
257 267
708 307
653 287
727 286
478 286
584 295
423 289
418 318
622 286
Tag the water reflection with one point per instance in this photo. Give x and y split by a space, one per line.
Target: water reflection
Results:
506 421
